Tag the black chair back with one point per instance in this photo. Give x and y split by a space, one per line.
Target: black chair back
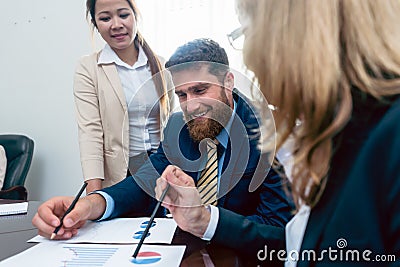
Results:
19 153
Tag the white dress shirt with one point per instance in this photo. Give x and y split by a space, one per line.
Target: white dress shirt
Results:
141 99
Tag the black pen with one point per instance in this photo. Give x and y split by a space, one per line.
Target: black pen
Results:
146 231
68 210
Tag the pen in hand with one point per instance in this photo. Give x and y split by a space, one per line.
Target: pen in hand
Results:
146 231
70 208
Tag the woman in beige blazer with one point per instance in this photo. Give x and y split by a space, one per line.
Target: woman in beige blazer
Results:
119 118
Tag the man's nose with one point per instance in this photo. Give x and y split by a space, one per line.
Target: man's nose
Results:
192 105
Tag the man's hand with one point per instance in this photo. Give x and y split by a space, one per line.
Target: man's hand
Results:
49 213
183 201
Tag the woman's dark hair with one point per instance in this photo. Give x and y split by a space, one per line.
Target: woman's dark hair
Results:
154 62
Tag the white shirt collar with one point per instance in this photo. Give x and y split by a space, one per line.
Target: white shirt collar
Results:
107 56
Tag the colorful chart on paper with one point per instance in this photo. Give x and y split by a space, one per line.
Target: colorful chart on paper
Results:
96 255
122 231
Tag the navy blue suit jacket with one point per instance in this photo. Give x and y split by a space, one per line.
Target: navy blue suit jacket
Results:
267 205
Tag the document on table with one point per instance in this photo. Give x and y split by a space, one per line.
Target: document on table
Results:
63 254
121 231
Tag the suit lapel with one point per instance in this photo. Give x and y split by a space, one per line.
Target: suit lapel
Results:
234 164
180 148
112 75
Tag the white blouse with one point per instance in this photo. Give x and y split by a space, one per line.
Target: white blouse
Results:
294 232
141 99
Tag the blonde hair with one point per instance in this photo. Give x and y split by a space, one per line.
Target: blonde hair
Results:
308 56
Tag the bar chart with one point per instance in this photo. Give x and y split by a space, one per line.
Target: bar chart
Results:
88 256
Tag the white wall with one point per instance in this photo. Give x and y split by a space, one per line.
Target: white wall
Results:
41 42
40 45
167 24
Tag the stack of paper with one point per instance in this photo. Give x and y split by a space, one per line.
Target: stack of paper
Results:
12 207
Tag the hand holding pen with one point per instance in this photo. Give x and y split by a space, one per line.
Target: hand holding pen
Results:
67 214
53 235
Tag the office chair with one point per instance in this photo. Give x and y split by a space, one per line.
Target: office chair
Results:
19 152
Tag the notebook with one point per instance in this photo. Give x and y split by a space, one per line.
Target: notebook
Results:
12 207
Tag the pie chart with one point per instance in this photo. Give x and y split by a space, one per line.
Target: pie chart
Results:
147 257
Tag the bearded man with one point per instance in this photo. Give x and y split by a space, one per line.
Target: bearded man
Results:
214 139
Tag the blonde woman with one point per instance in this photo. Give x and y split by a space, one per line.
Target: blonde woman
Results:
118 120
335 65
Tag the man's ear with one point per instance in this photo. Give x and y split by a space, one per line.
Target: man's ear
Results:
229 81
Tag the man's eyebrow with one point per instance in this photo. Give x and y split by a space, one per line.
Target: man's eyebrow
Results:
204 85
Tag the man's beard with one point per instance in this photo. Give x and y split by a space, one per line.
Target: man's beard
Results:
212 126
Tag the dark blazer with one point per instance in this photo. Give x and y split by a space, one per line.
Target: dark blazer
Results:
268 204
361 203
360 207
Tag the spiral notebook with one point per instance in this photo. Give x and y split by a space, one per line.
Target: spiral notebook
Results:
12 207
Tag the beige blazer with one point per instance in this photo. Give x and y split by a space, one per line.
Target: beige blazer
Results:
102 118
3 165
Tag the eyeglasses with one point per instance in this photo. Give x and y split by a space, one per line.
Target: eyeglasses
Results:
236 38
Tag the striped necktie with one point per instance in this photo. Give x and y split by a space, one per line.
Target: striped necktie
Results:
208 182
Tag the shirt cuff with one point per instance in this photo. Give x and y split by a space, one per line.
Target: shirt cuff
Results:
212 225
109 204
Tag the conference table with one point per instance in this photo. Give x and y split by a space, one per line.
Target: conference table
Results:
15 230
